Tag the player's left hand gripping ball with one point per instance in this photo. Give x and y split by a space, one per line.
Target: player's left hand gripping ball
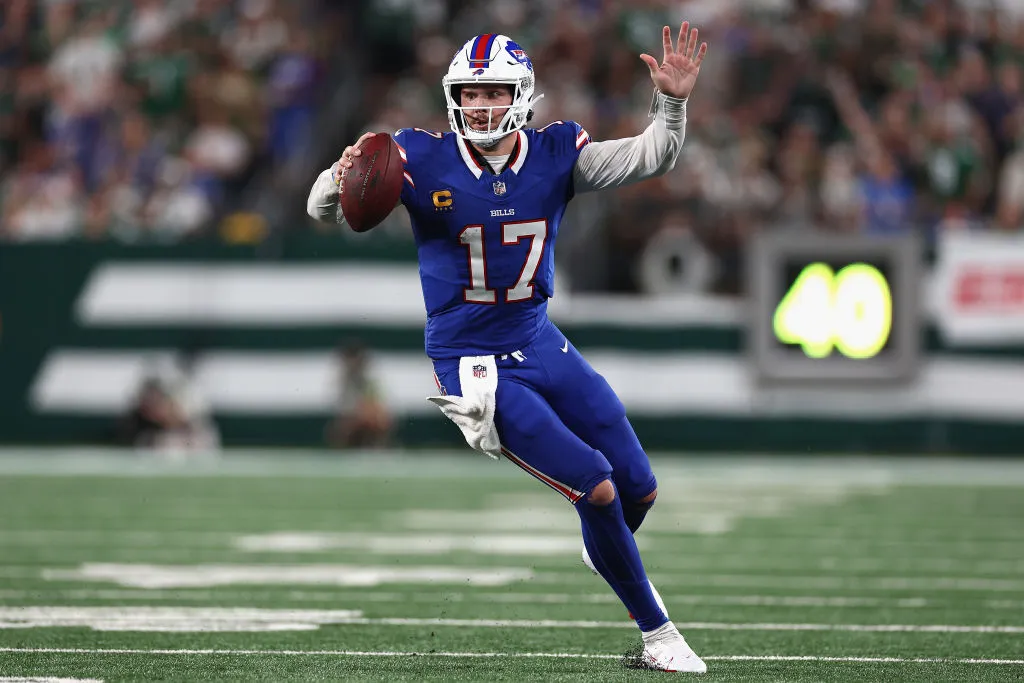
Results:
370 176
677 73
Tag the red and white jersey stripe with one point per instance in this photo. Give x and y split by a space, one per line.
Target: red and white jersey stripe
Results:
569 492
582 139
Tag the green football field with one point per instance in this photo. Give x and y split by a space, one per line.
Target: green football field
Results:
450 567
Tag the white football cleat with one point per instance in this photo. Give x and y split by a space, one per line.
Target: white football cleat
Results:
657 596
665 649
589 562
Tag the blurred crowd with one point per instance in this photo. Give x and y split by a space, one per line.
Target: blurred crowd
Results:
148 119
144 120
879 116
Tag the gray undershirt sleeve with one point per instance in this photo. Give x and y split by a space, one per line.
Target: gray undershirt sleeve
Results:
614 163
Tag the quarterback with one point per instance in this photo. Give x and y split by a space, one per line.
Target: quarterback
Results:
486 201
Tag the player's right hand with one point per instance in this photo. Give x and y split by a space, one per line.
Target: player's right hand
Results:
345 162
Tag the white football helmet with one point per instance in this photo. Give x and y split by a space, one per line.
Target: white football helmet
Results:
490 58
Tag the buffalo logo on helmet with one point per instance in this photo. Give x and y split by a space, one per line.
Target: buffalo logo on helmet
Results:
519 54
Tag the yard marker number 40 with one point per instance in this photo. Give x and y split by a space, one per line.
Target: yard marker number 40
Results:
849 310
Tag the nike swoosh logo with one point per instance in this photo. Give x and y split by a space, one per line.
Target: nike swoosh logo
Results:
565 349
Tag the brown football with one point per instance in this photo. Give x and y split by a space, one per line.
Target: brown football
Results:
372 187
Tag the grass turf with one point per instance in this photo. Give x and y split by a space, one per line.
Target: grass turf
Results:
761 557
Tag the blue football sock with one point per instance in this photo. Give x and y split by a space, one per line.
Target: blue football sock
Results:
611 547
634 514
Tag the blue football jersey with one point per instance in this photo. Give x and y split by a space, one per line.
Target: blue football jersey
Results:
486 241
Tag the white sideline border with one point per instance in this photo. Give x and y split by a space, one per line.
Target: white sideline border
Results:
496 655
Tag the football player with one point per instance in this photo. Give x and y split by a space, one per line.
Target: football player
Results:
486 201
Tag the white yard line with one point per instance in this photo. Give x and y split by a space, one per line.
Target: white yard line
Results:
106 538
404 543
722 600
480 597
342 595
186 576
884 583
1005 604
832 565
842 554
172 619
148 618
785 545
208 575
836 546
694 469
692 625
552 576
511 655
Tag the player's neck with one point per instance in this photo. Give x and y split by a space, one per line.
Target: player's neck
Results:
503 148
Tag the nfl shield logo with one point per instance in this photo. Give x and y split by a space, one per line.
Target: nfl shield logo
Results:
499 187
479 371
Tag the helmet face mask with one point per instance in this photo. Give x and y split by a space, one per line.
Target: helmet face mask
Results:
490 60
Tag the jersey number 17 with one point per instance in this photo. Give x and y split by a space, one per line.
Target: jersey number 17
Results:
472 237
